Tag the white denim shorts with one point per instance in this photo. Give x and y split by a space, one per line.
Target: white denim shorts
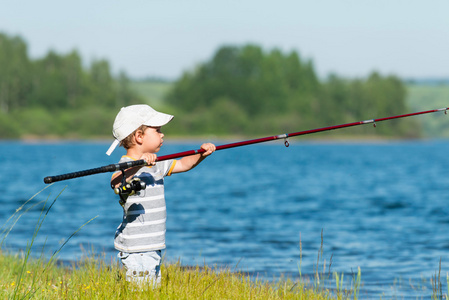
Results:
142 267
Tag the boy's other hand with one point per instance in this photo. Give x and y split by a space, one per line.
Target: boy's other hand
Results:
150 158
209 147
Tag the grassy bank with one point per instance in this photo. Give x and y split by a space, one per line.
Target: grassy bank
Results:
92 278
25 275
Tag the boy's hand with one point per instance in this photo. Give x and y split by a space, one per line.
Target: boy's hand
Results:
150 158
209 147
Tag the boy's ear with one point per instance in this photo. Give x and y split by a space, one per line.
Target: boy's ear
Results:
138 136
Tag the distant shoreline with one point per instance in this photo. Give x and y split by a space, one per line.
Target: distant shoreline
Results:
338 139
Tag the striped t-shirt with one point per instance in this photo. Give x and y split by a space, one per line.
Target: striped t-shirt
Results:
144 214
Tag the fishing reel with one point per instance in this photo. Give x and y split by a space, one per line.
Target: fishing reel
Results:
130 188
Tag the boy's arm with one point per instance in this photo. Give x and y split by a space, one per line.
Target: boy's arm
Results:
189 162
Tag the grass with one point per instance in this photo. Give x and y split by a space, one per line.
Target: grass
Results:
25 276
92 278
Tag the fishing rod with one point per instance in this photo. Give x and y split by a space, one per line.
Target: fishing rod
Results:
285 136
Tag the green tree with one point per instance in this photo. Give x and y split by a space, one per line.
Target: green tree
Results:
258 83
45 95
15 69
49 83
101 84
274 90
125 95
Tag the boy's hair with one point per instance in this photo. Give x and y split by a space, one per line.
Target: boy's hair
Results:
128 142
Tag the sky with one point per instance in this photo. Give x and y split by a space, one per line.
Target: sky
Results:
164 38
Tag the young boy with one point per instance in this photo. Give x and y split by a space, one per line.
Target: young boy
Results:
141 235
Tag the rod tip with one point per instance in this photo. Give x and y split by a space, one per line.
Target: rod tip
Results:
48 180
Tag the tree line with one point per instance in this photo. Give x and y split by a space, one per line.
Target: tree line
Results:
56 94
248 90
242 90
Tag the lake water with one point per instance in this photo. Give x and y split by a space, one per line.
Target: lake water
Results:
382 207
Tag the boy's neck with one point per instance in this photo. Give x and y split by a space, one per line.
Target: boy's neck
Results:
134 153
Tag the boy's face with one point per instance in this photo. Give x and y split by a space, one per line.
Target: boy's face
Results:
152 139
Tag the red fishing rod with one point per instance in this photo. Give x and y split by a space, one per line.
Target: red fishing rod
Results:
285 136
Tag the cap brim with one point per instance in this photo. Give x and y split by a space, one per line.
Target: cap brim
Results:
159 120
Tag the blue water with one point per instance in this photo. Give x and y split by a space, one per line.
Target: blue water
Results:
382 207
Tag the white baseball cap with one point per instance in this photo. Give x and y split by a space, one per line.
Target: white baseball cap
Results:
132 117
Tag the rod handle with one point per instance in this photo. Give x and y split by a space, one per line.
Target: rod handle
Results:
104 169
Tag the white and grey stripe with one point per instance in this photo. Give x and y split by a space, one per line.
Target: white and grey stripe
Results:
144 215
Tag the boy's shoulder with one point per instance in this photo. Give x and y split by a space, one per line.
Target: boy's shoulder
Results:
125 158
